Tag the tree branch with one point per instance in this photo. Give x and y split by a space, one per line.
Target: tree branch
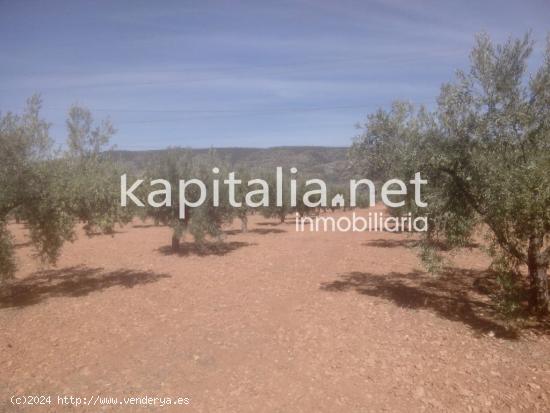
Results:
501 238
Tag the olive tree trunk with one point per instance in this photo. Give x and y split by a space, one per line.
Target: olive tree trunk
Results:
175 243
539 298
244 223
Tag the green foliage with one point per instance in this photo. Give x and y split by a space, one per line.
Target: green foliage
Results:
241 191
94 188
509 292
433 261
204 220
52 191
29 177
272 210
86 140
7 261
485 152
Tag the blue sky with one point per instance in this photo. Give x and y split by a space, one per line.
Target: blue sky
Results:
237 73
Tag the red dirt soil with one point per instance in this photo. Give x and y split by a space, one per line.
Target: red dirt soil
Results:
269 321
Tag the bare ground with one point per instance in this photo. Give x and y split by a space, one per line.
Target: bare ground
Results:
269 321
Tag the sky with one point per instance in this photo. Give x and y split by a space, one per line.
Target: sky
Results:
242 73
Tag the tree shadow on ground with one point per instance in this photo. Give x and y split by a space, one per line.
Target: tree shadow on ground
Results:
452 295
269 224
409 243
23 244
148 225
70 282
391 243
260 231
104 234
204 249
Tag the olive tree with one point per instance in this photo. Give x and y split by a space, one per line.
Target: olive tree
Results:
94 188
30 183
173 166
241 210
49 190
485 152
274 209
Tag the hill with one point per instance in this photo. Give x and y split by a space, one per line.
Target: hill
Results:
328 163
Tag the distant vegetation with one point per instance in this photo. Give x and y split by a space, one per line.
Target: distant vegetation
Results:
51 190
328 163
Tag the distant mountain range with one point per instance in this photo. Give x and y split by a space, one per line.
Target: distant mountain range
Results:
328 163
